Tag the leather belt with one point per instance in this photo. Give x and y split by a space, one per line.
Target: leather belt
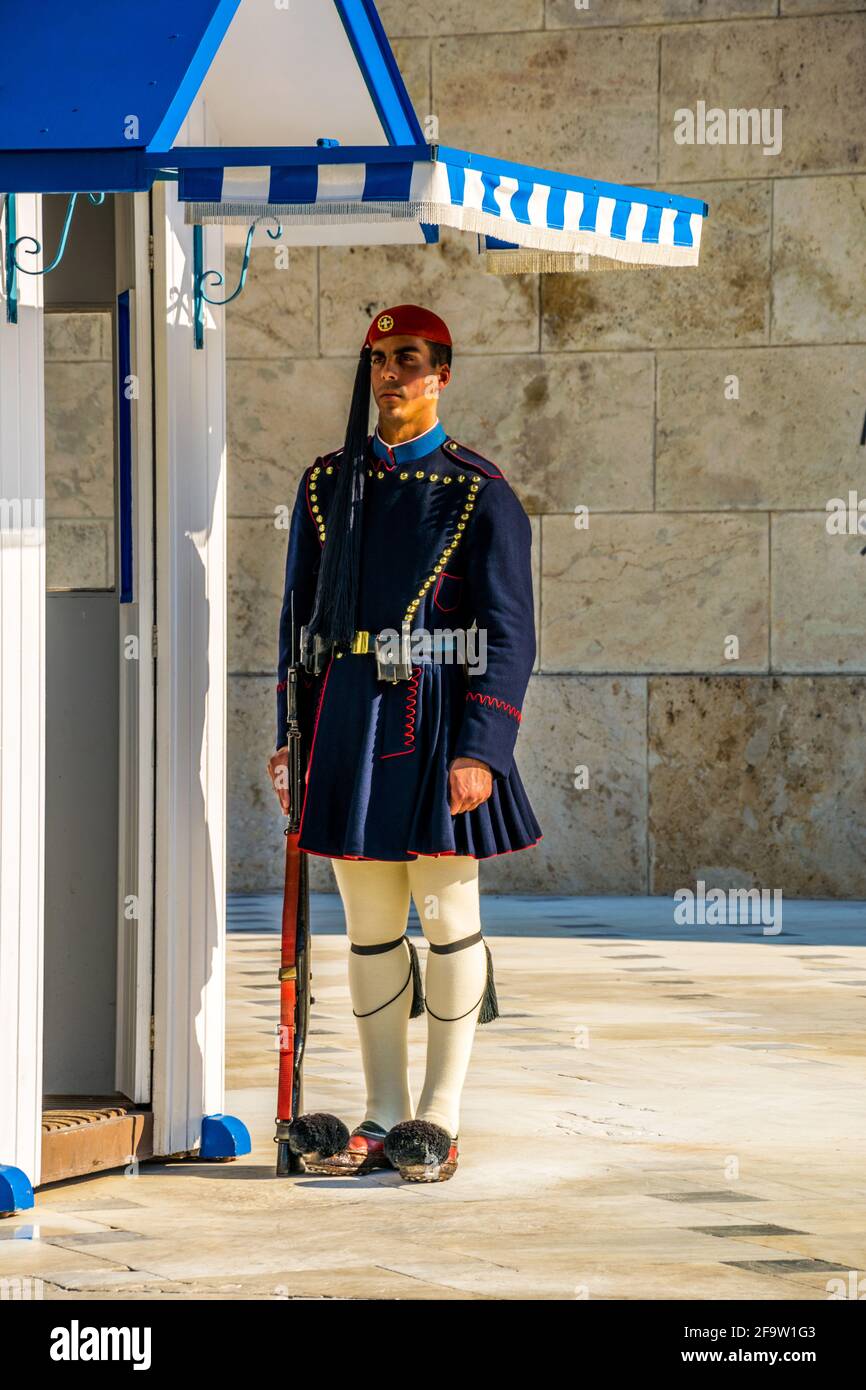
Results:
364 644
315 653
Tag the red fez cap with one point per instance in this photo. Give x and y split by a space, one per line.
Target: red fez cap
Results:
409 319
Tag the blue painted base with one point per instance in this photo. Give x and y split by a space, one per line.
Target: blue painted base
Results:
16 1190
224 1136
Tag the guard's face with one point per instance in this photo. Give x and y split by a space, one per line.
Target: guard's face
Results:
403 379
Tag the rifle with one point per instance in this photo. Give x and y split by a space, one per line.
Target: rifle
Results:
294 973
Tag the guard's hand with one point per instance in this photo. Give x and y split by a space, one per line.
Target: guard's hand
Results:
469 783
278 770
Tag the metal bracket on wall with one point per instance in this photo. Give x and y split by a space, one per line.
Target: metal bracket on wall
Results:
199 275
12 268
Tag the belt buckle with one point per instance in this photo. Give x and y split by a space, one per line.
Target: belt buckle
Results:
386 668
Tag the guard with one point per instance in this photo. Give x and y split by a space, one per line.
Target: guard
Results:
408 573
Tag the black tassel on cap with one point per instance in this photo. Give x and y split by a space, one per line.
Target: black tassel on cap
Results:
335 606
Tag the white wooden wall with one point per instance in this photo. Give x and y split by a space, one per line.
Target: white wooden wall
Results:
191 685
22 713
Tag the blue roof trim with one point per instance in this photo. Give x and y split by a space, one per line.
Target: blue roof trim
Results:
74 75
380 71
75 171
196 72
72 80
589 187
228 156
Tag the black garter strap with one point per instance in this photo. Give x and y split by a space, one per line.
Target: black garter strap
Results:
379 946
456 945
417 1005
488 1001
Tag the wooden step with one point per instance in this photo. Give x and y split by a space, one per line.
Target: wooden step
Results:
87 1134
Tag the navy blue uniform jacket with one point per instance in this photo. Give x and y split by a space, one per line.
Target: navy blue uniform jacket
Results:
445 542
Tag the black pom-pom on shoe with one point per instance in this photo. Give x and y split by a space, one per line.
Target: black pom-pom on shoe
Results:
317 1135
423 1151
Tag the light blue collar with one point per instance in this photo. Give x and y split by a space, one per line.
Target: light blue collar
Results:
413 449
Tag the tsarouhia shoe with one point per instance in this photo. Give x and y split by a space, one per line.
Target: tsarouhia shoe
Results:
422 1151
326 1145
316 1136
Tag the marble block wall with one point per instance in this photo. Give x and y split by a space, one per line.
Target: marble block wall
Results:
79 451
698 708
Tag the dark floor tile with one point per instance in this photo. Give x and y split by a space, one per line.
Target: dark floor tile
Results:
95 1204
756 1230
95 1238
801 1266
724 1196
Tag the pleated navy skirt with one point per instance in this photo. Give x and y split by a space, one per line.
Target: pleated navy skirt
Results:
377 770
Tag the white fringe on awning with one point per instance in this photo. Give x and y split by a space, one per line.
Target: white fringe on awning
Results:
552 239
529 262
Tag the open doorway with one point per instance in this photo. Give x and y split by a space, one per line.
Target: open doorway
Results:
98 929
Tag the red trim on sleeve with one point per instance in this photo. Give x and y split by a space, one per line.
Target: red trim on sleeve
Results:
496 703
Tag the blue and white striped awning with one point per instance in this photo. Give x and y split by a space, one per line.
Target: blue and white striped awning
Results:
540 219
